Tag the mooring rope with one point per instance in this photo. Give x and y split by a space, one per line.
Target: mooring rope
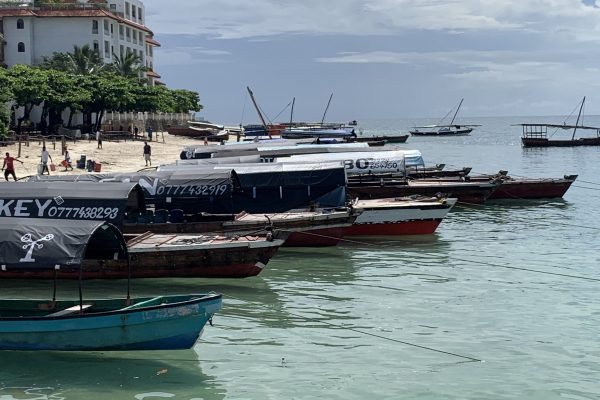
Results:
469 358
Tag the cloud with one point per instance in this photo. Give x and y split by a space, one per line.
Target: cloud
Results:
187 55
235 19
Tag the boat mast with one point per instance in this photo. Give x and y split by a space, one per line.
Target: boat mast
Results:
292 112
456 113
262 119
578 116
326 108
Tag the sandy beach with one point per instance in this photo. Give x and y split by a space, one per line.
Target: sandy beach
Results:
115 156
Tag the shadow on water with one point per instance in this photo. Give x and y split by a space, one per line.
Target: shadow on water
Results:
76 375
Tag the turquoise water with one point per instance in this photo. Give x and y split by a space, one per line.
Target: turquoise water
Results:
501 283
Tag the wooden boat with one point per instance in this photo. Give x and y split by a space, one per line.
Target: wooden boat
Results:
158 323
60 246
525 188
536 134
450 129
378 138
199 133
465 192
317 228
150 255
415 215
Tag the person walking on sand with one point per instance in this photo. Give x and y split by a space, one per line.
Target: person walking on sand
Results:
9 166
147 153
45 156
67 161
99 138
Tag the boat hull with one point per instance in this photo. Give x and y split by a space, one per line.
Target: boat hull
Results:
532 188
243 260
386 139
457 132
465 192
164 327
543 142
306 229
392 217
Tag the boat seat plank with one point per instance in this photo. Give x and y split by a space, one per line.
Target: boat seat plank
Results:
142 304
70 310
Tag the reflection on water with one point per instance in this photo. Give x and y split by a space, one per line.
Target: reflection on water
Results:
75 375
334 322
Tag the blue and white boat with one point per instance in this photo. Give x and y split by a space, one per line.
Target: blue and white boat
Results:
145 323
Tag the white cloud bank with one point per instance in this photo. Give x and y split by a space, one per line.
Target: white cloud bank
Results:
235 19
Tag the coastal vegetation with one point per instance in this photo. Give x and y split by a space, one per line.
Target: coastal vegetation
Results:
80 82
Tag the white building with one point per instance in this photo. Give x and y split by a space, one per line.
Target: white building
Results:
112 27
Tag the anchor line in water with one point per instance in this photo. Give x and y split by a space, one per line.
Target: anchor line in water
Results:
470 359
467 260
528 269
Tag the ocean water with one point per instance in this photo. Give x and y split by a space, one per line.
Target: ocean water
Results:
503 302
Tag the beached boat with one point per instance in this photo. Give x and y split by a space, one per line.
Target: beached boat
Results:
155 255
198 133
415 215
146 323
536 134
316 228
440 129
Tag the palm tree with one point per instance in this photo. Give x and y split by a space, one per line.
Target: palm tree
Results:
85 61
128 65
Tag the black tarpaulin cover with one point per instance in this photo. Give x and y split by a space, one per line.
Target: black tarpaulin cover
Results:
47 244
70 200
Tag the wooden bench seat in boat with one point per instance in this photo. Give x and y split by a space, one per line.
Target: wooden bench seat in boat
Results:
70 310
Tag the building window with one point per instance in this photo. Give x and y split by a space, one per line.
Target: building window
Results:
96 47
133 8
140 13
106 49
112 29
134 34
127 11
128 34
20 24
121 51
113 7
141 39
21 47
121 32
94 26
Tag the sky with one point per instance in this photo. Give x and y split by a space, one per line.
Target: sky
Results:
379 58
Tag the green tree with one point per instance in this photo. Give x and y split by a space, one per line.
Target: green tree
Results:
5 96
64 91
83 61
186 100
29 89
108 92
128 65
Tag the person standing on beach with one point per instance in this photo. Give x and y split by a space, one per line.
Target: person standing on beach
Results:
99 138
150 133
147 153
9 165
45 156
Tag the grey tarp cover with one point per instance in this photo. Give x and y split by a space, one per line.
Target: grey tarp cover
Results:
46 243
69 200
